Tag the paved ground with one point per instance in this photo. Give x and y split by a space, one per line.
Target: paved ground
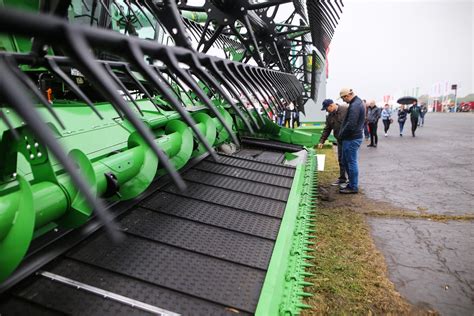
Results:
431 263
433 171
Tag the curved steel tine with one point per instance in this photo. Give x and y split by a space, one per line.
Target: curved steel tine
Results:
77 47
141 87
53 66
129 6
213 69
278 89
15 95
110 72
270 88
168 84
281 86
180 85
232 78
253 72
139 6
290 87
84 2
296 85
105 8
250 86
139 61
9 62
172 63
257 85
5 119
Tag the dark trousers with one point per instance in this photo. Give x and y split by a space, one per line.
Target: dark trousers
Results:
414 125
373 133
342 169
366 130
386 125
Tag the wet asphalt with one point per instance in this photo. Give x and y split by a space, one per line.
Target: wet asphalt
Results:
431 263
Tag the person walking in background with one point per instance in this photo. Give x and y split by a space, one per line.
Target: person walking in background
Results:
373 116
334 119
424 109
386 118
402 117
287 119
351 135
414 111
366 124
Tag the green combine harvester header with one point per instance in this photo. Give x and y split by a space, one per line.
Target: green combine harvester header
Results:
148 135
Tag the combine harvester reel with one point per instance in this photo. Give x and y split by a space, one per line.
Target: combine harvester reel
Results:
135 139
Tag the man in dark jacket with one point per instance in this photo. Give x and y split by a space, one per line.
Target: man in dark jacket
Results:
351 134
334 120
415 112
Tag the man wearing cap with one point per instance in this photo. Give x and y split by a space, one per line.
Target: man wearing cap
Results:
351 135
334 120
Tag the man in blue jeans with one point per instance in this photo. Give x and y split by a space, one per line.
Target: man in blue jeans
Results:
351 135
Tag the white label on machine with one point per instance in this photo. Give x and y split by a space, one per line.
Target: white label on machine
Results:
321 159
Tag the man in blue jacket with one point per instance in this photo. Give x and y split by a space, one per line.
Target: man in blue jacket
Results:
351 134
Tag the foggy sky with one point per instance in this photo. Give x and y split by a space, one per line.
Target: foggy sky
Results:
388 47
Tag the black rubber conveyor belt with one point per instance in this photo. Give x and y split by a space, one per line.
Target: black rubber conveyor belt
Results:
202 252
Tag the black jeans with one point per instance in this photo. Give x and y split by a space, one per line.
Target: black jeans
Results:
342 170
414 125
386 125
373 133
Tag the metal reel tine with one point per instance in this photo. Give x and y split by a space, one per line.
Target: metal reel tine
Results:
13 93
53 66
129 6
5 119
105 8
252 72
78 50
198 68
256 86
250 86
152 76
272 88
189 81
213 69
282 89
141 87
268 87
139 6
32 87
238 84
122 86
180 85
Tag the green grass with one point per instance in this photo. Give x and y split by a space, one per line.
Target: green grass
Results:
350 275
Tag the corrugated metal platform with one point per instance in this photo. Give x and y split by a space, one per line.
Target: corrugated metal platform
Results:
201 252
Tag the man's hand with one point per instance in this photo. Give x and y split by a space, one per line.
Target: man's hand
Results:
320 146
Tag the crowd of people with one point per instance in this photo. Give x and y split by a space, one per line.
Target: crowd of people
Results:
357 119
288 118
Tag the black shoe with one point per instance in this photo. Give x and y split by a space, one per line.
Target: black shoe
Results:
343 185
401 135
338 182
375 145
370 145
348 191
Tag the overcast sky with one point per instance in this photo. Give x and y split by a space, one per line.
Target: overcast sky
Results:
390 47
